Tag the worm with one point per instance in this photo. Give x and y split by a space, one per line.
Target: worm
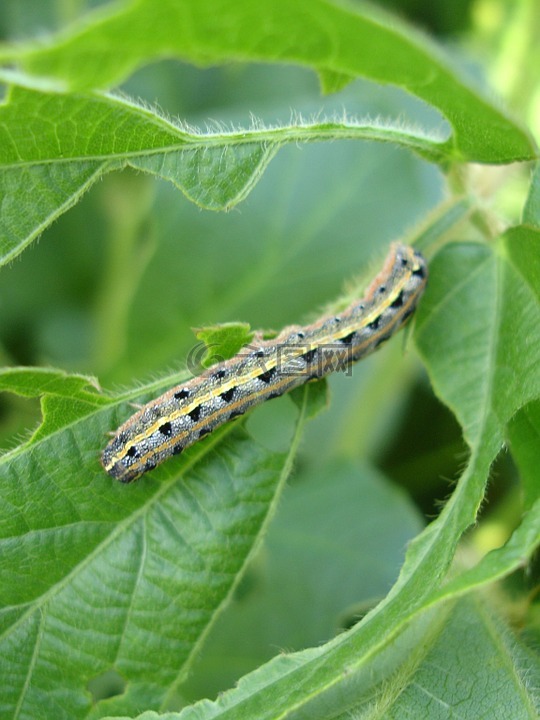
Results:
268 368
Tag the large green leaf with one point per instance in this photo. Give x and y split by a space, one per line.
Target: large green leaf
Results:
338 39
67 144
96 576
70 140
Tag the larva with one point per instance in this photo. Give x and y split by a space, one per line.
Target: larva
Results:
186 413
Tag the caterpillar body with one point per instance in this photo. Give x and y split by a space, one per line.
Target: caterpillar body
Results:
268 368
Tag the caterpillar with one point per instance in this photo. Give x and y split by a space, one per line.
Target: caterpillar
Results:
268 368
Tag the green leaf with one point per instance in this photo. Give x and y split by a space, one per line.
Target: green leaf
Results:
397 668
67 146
223 341
55 188
64 398
456 636
338 39
496 679
32 382
296 594
136 573
524 436
486 376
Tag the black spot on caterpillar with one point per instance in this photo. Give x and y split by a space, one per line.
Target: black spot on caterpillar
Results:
309 355
174 421
227 396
